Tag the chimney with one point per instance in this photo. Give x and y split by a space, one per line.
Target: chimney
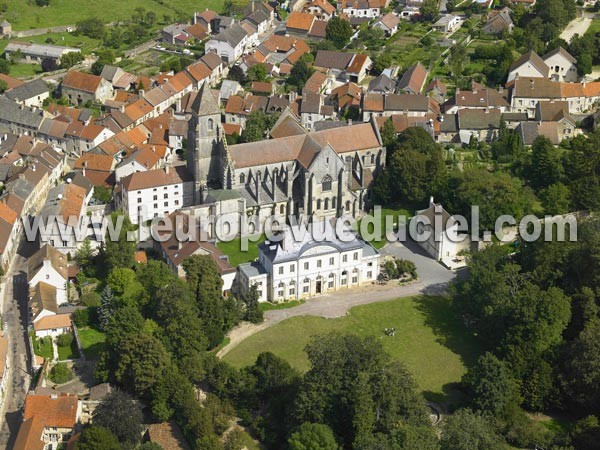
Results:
167 169
141 93
350 122
122 108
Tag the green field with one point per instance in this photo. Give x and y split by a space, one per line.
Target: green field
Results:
25 14
236 256
92 341
433 345
68 351
43 347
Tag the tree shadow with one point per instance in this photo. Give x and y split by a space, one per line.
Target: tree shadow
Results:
448 329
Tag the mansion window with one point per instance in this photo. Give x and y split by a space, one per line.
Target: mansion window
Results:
354 279
356 256
326 184
305 289
281 270
292 291
369 274
279 293
292 268
242 178
331 261
345 258
305 266
319 263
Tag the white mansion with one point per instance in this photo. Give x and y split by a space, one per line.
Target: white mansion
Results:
311 263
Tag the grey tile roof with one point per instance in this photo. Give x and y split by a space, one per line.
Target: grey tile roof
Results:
29 90
205 103
14 113
232 35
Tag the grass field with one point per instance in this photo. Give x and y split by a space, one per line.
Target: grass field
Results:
25 14
433 345
68 351
92 341
43 347
236 255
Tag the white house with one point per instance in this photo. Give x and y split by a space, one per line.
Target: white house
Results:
388 23
307 261
48 266
563 67
528 65
64 216
154 193
448 23
53 326
229 44
444 241
30 94
362 8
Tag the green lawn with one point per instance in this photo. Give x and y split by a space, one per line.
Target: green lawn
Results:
24 14
24 70
433 345
238 256
68 351
92 341
43 347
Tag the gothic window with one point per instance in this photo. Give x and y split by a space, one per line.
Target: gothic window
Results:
282 209
210 124
372 159
326 203
326 183
242 178
319 204
334 202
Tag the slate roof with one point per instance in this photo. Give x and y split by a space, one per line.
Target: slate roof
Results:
205 103
232 35
562 52
330 59
475 119
12 112
413 78
535 60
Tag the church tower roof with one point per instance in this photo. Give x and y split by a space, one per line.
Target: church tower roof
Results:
205 103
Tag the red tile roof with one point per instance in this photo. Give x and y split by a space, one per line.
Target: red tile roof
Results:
81 81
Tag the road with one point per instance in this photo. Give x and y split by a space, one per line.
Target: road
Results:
15 311
433 279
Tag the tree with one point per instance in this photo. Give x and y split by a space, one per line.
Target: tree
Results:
372 38
457 59
3 86
492 386
97 438
339 31
545 168
258 72
228 7
257 125
429 10
4 66
102 194
68 60
252 312
108 304
84 256
236 73
466 430
354 387
120 414
61 373
313 436
119 279
581 373
150 446
143 361
556 199
119 252
389 135
300 74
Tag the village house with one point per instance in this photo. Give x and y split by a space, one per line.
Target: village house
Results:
362 8
305 25
380 105
229 44
388 23
30 94
48 420
5 28
413 79
437 90
313 109
18 119
447 24
10 230
49 267
167 435
478 98
98 168
53 326
562 66
175 251
382 84
238 108
143 159
118 77
443 244
343 66
321 9
557 113
81 88
483 125
154 193
498 22
64 215
293 269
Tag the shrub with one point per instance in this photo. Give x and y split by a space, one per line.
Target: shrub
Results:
64 340
61 373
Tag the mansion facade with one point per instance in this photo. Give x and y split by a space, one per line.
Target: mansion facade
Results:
295 268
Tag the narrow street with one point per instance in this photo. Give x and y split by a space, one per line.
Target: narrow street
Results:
14 319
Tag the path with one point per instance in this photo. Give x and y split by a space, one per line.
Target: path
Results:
433 279
577 26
